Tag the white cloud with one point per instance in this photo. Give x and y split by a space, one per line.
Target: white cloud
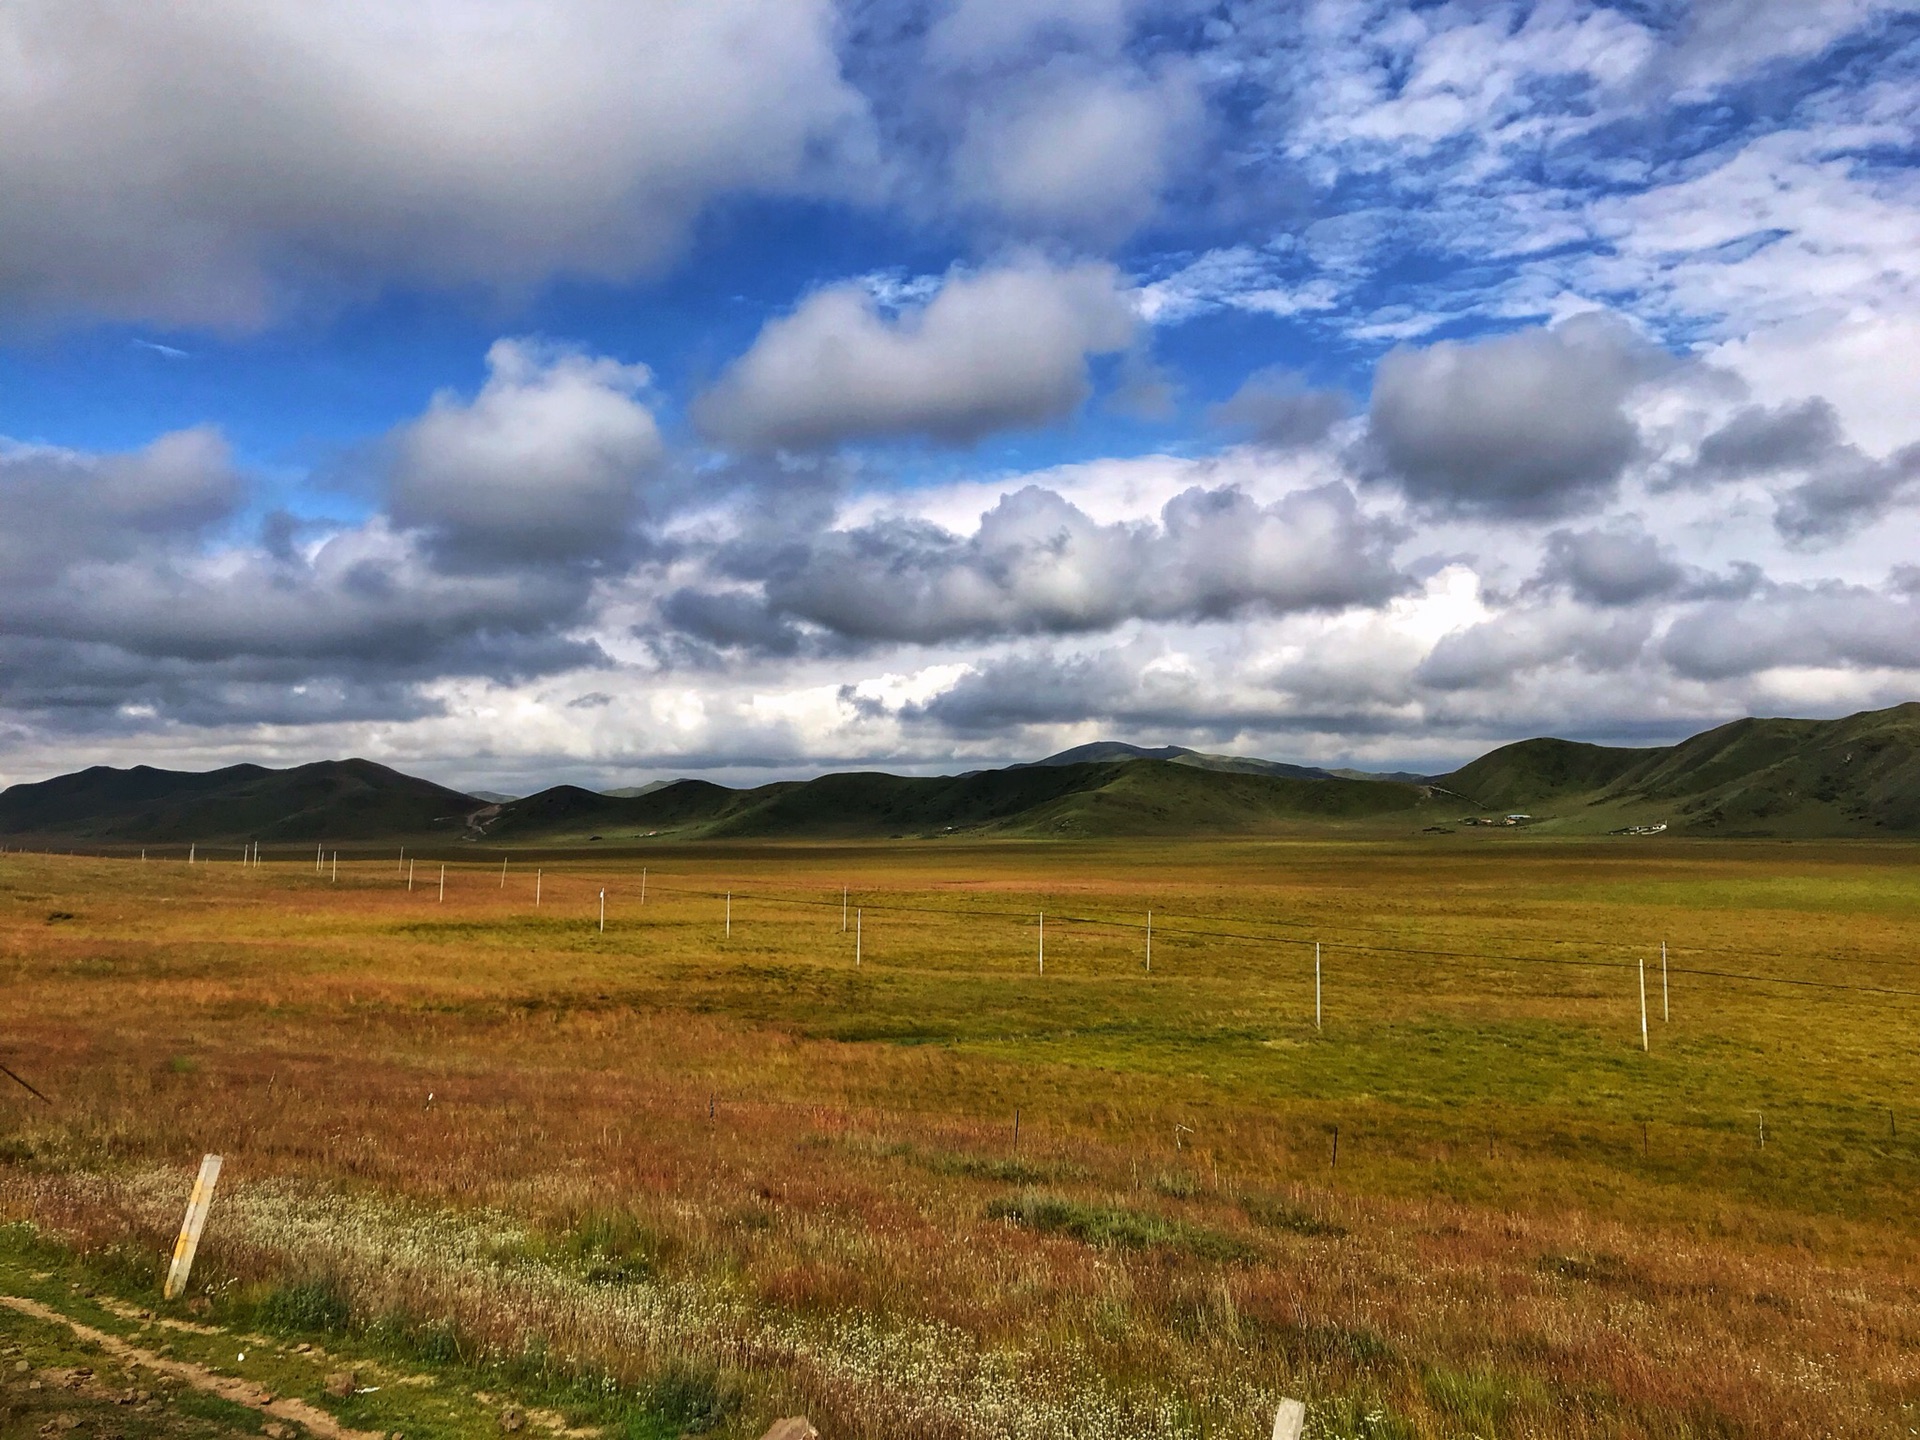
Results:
1384 81
1237 277
1036 563
1726 40
1079 152
993 350
544 463
191 163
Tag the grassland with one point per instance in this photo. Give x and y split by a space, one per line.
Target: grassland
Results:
663 1179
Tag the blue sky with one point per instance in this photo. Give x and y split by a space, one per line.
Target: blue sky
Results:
518 393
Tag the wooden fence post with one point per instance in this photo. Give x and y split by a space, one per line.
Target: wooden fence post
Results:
189 1242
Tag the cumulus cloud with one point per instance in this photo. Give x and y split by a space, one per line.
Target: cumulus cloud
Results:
1611 565
1843 496
191 163
1275 408
1528 424
1039 564
1047 689
1762 441
124 582
1499 651
68 508
1825 625
1840 489
185 628
993 350
543 464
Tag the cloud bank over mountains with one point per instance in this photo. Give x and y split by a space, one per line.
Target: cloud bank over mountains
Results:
1490 370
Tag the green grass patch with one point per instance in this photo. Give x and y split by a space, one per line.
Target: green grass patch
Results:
1272 1213
1485 1402
1115 1227
612 1247
307 1307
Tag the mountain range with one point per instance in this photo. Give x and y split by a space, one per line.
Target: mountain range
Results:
1858 776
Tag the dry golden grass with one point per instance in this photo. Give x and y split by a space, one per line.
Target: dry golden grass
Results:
663 1141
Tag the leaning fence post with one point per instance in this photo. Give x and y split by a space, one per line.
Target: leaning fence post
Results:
190 1228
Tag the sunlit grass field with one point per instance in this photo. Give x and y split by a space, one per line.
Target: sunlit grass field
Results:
898 1174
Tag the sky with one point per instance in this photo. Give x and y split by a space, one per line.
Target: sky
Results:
611 390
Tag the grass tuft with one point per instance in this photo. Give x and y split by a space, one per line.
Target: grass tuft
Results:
307 1307
1115 1227
691 1398
1272 1213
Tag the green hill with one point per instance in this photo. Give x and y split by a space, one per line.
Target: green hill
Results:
339 800
1106 752
1859 775
1532 771
1131 797
1854 777
1792 778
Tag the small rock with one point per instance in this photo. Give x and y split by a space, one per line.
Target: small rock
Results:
302 1348
274 1430
792 1427
339 1384
512 1418
21 1367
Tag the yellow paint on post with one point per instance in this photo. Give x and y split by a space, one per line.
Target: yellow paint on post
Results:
190 1228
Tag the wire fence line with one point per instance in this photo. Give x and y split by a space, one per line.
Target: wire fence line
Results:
1189 930
1187 927
1855 1119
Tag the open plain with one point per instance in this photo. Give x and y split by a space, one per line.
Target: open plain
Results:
735 1157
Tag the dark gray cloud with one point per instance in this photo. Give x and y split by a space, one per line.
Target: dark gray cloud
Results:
1611 565
1762 441
995 350
1038 564
1848 492
66 509
1839 488
1144 690
127 597
731 620
352 630
1530 424
1275 408
1823 625
93 687
1037 689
